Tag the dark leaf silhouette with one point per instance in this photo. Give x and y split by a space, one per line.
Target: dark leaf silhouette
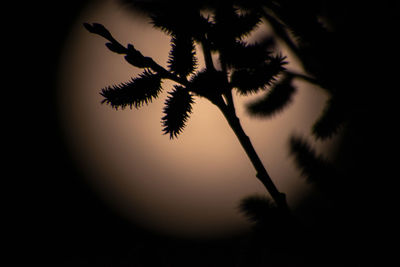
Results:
182 60
275 100
317 169
269 221
170 20
257 208
231 24
331 119
246 23
209 83
164 22
135 93
242 55
306 27
252 80
178 107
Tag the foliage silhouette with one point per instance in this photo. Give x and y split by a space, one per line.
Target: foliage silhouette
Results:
275 100
322 52
182 60
253 79
328 50
256 208
224 33
334 44
314 167
138 91
177 110
267 219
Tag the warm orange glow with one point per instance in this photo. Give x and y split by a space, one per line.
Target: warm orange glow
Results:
189 186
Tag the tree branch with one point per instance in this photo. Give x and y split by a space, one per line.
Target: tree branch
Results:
132 55
262 174
303 77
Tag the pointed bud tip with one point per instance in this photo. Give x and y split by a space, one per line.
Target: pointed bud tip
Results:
88 26
97 28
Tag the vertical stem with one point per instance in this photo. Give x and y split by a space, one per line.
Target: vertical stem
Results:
229 112
207 54
262 174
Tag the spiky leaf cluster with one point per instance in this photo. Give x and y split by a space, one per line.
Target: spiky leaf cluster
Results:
242 55
178 107
257 208
182 60
229 26
251 66
140 90
209 83
251 80
180 19
331 119
275 100
314 167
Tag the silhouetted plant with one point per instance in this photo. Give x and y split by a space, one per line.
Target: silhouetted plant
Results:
275 100
246 68
257 208
322 53
327 52
315 168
